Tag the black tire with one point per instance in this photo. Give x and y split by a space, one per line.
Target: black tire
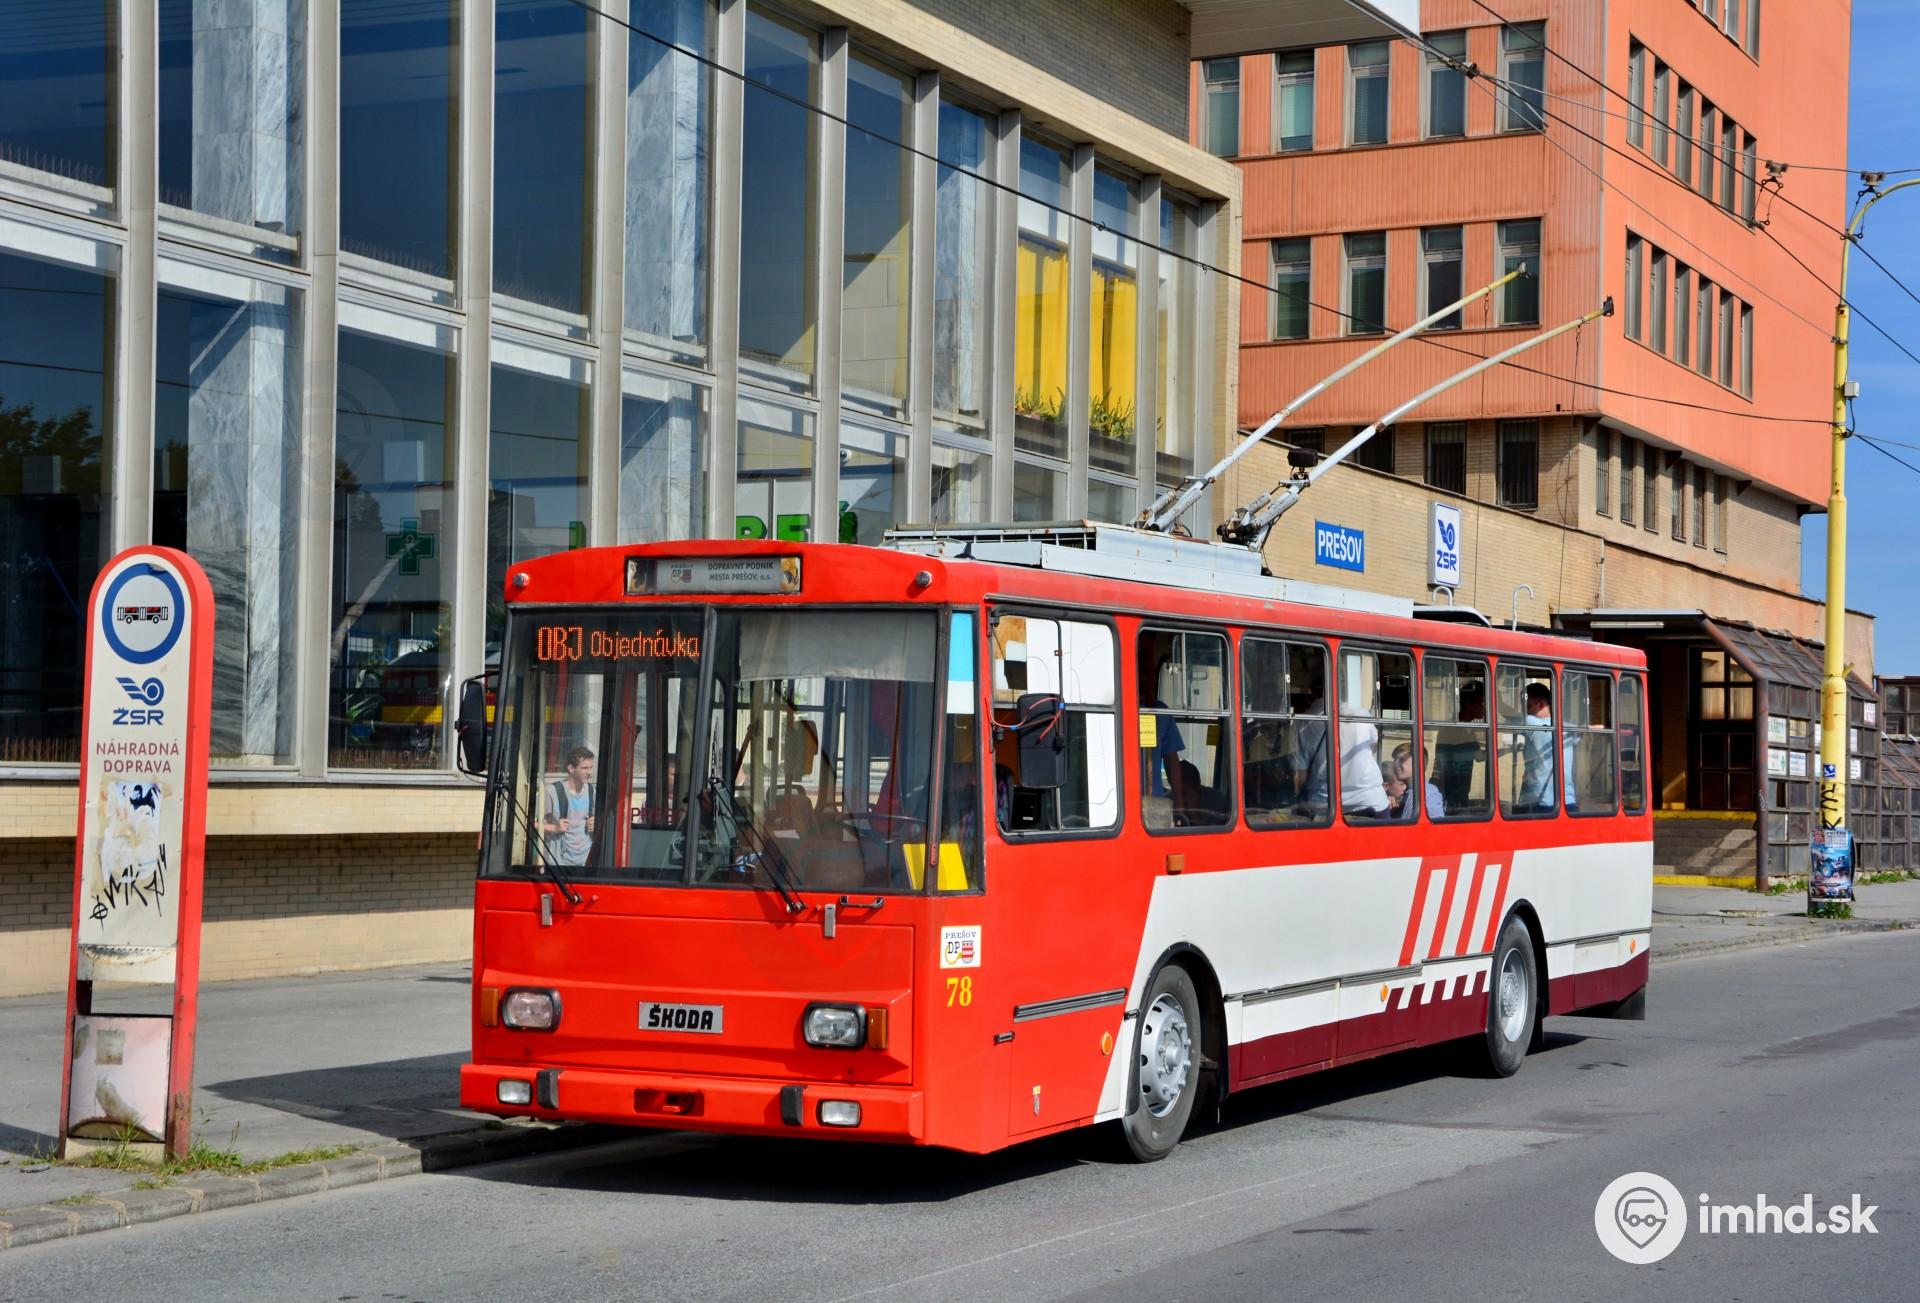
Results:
1164 1081
1513 1000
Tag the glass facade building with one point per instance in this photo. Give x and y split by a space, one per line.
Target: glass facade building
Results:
362 301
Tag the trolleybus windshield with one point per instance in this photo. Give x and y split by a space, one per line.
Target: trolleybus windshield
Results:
777 744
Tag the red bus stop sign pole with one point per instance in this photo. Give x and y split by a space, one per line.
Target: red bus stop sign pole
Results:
138 857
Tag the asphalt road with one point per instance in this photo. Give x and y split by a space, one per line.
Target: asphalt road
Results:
1783 1072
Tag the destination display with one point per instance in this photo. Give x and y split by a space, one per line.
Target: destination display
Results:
660 576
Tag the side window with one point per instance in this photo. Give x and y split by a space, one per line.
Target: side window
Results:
1285 735
1376 720
1458 755
1056 766
1587 726
1633 747
957 862
1186 738
1526 741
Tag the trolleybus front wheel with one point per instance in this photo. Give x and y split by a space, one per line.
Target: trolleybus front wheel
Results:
1167 1053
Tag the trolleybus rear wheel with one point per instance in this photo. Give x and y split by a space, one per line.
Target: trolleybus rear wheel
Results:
1513 999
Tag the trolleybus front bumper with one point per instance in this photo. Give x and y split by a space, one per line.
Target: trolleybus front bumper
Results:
692 1103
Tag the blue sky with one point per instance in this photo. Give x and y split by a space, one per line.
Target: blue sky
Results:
1884 123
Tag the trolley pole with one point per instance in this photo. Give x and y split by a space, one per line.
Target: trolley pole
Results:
1833 686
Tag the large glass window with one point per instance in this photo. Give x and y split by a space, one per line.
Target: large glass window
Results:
663 458
1113 367
1523 67
1186 746
773 492
779 187
962 484
1292 287
1441 254
1453 712
1110 499
1446 85
1054 695
1174 393
873 317
1285 734
1527 759
1293 101
1447 455
1221 86
1039 492
963 258
873 483
59 79
1520 250
1376 731
1589 746
542 153
399 132
56 384
1367 93
669 174
226 487
536 464
392 549
1366 282
231 88
1040 305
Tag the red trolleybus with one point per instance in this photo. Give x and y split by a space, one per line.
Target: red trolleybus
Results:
981 837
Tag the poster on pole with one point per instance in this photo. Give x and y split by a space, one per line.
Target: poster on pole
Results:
138 853
1831 878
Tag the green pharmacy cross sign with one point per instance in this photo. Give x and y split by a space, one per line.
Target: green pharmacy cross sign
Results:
411 546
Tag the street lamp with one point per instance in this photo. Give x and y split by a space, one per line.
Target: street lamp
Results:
1833 686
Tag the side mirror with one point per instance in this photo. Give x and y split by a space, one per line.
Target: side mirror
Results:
472 729
1042 744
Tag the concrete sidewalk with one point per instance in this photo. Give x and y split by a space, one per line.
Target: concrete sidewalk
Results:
371 1060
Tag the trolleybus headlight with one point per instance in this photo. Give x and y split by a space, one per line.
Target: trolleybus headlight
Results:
531 1011
839 1113
515 1092
835 1026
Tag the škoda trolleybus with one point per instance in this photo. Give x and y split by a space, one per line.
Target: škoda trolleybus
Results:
984 836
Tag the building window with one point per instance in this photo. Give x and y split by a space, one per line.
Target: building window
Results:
1447 456
663 458
1520 249
400 132
1730 163
1749 161
1366 282
963 255
1440 274
542 160
1293 101
225 151
1367 85
1292 285
1722 489
1730 20
1519 464
393 553
1603 471
668 176
1222 78
1446 85
1698 499
877 234
1727 305
56 454
1523 67
1683 135
1703 326
1311 437
1662 110
1636 278
962 483
1657 304
1650 489
1175 340
873 483
773 496
1040 300
1039 492
59 88
1377 452
1746 350
1682 311
1677 480
1753 28
226 487
539 415
1113 370
780 184
1629 459
1636 95
1706 149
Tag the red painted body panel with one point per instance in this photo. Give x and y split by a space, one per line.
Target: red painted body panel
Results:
1059 919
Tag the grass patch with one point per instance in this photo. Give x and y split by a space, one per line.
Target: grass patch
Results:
1781 886
201 1157
1832 909
72 1199
1884 877
149 1183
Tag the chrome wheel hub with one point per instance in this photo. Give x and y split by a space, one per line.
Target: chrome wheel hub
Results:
1513 996
1166 1055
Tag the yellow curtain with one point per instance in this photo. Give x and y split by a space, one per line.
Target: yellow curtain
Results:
1114 366
1040 337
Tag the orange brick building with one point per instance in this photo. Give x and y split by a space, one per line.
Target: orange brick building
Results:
1644 477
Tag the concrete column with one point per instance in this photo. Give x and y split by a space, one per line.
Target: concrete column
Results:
830 282
607 308
1079 327
926 139
474 282
247 112
723 450
1005 271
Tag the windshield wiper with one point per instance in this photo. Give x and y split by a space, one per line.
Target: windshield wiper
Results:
536 842
765 850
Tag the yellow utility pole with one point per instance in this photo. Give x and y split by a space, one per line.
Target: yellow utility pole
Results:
1833 688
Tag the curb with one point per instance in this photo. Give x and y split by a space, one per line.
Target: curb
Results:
1775 935
205 1192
